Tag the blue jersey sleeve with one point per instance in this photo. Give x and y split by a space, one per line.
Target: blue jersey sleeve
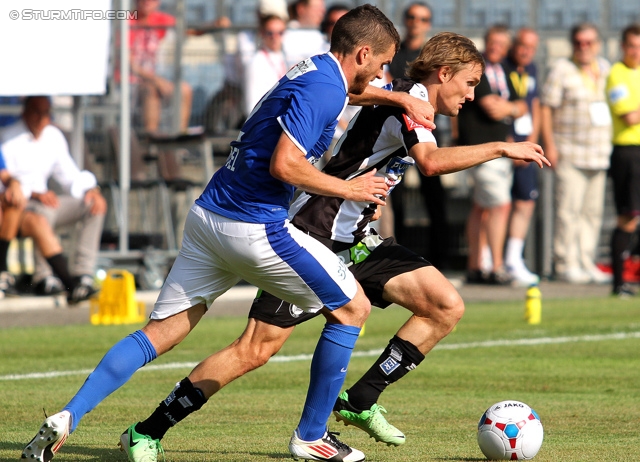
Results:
2 164
312 117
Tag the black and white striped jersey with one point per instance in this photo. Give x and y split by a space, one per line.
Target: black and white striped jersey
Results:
378 137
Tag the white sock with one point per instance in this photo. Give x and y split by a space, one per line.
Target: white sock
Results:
513 256
486 260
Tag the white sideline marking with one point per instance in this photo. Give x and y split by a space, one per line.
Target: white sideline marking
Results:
356 354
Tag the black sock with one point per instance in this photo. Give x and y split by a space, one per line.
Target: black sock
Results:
182 401
60 267
395 361
4 251
620 241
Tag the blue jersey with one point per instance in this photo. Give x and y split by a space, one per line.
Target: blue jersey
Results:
305 104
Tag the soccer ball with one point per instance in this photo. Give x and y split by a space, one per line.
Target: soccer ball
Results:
510 430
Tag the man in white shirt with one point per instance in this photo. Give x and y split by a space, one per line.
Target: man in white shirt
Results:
303 37
35 151
268 64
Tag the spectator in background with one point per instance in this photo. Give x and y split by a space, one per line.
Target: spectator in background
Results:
268 64
226 110
489 118
32 225
34 151
303 37
145 36
334 12
12 202
623 93
576 130
522 71
417 24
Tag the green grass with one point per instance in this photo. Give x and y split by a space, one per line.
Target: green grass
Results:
587 393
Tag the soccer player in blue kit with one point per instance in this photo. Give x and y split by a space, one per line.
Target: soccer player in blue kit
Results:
383 138
239 229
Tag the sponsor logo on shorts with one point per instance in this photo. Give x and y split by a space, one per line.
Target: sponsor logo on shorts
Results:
294 311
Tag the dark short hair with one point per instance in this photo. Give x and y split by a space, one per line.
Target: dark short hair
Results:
497 29
405 13
580 27
631 29
324 25
270 17
30 99
364 25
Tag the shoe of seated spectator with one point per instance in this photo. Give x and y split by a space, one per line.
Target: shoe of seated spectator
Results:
49 286
82 290
7 284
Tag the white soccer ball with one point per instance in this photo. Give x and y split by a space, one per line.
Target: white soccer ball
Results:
510 430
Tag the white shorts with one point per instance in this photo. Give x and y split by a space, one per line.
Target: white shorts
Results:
217 252
492 182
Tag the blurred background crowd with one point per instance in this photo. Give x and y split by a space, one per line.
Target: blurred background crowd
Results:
197 68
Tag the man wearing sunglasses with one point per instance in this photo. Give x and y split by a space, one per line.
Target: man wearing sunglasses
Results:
576 131
268 64
417 24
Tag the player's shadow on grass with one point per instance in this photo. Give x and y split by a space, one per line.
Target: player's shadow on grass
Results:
464 459
69 450
239 454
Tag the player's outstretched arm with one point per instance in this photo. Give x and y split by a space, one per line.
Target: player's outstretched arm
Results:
419 111
289 164
432 160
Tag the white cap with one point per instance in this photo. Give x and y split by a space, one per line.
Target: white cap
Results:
273 7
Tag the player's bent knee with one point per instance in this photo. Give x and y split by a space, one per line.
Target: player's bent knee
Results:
354 313
451 308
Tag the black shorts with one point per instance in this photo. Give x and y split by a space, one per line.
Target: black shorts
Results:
625 173
386 261
525 183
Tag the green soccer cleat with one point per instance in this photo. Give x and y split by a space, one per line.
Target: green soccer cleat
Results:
371 421
140 448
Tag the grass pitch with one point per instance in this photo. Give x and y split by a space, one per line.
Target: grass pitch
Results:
579 369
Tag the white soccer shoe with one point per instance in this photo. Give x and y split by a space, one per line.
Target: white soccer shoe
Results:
49 439
327 448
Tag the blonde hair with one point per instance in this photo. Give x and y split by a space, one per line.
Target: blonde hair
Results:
444 49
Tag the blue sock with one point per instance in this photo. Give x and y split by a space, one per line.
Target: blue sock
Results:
116 367
328 371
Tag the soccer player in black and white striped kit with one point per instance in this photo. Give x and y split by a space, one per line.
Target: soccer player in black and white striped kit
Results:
385 140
